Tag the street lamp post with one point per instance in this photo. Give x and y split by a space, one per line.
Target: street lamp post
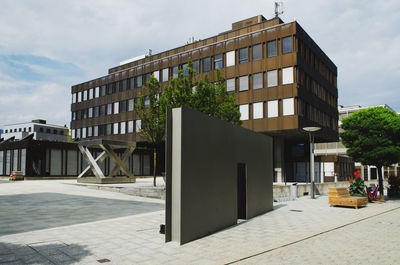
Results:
312 173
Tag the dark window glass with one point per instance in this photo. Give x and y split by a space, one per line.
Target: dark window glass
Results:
122 106
123 87
61 133
41 130
55 131
271 48
218 61
243 55
257 52
110 89
29 129
109 129
175 72
102 110
185 70
206 64
47 130
103 91
78 115
116 87
196 66
146 79
132 83
287 45
96 111
102 130
84 113
139 80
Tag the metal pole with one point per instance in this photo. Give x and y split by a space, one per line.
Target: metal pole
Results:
312 173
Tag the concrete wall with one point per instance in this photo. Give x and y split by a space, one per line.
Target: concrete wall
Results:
202 156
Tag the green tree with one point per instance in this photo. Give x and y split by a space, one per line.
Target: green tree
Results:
185 90
372 137
152 114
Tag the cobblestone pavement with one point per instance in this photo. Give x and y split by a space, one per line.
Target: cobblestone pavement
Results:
303 231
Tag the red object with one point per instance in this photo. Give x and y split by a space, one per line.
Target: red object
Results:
358 176
350 180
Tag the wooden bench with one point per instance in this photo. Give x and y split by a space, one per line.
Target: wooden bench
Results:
341 197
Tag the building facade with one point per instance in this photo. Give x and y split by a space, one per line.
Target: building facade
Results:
333 160
280 78
40 130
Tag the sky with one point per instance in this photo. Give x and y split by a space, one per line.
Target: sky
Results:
47 46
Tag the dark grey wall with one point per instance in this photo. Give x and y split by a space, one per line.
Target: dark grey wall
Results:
208 152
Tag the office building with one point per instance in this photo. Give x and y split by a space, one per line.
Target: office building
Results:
280 78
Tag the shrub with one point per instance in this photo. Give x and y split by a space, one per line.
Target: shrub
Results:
357 185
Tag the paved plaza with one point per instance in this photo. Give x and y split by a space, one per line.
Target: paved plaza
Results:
53 222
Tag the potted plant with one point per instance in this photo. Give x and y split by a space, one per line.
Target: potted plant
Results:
357 186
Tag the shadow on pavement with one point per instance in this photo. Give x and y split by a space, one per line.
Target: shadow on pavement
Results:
28 212
54 252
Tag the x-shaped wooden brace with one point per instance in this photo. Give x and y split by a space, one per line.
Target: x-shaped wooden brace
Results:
107 152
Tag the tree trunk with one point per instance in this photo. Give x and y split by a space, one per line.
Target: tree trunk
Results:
380 183
154 167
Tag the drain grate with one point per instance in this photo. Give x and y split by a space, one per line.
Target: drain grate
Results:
294 210
103 260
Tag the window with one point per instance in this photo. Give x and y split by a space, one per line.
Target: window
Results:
272 77
89 131
146 102
96 111
122 127
287 45
271 48
6 131
91 93
131 83
230 58
139 81
109 89
138 125
130 126
122 106
96 92
124 84
157 75
206 64
84 113
131 105
73 116
96 130
84 132
257 81
85 95
272 108
116 107
29 129
78 115
79 96
146 79
288 106
90 113
73 98
257 52
230 85
102 130
109 109
109 129
218 61
175 72
103 90
116 87
78 133
196 66
243 83
102 110
258 110
287 75
165 75
73 134
116 125
243 55
244 112
185 70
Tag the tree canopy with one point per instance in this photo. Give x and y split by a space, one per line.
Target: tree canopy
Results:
185 90
372 137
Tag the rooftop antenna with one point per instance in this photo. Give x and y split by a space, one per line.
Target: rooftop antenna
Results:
278 9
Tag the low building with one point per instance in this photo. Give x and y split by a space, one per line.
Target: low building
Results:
40 130
333 162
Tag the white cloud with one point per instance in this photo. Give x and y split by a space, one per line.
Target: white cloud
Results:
361 38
